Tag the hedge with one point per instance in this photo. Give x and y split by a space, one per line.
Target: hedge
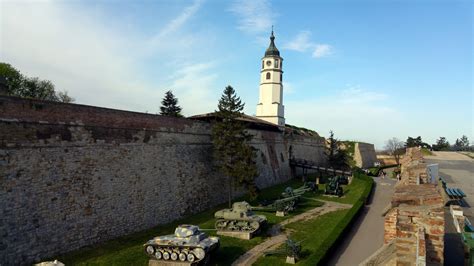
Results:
344 225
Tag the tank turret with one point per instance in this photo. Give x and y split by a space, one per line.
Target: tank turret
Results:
187 243
240 218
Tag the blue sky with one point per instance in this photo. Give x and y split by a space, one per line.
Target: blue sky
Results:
369 70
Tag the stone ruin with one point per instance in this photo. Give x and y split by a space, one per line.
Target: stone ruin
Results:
415 224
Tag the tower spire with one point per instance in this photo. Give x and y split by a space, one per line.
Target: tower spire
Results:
272 50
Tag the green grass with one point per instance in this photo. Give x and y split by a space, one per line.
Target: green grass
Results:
426 152
318 235
128 250
374 171
468 154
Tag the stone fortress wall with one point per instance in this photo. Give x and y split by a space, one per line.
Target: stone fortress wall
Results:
74 175
364 155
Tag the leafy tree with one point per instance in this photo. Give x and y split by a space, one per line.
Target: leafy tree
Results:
234 156
441 144
462 143
13 77
38 89
395 148
21 86
64 97
169 105
413 142
336 156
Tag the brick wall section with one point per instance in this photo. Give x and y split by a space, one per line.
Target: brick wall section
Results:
417 214
390 225
74 175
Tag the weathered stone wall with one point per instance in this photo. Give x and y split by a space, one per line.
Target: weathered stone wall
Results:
364 154
416 221
75 175
387 159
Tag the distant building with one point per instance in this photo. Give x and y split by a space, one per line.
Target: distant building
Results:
270 105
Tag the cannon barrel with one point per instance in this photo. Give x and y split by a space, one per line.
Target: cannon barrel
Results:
278 205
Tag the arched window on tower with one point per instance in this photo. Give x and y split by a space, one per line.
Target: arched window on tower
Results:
281 77
268 75
276 63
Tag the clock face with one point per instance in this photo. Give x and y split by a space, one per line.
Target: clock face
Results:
269 63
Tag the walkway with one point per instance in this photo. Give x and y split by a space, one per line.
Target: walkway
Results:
278 237
366 236
458 171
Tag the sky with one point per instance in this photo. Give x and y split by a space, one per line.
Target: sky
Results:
368 70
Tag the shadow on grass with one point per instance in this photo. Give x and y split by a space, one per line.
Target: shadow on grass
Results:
226 255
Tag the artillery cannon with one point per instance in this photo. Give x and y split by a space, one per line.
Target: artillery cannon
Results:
188 243
280 205
334 187
291 249
240 218
343 180
307 186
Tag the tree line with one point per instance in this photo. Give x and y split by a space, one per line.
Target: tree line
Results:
396 147
17 84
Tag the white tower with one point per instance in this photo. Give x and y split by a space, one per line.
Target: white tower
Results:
270 106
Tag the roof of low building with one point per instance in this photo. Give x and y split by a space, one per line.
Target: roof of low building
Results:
252 121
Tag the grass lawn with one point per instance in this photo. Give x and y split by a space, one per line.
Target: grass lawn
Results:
426 152
128 250
469 154
317 235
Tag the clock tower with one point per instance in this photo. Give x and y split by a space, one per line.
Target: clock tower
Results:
270 105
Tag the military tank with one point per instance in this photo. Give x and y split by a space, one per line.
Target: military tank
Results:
240 218
188 243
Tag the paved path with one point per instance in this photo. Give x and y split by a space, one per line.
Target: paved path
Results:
458 171
278 237
366 236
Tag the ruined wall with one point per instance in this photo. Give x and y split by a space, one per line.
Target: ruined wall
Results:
364 154
74 175
416 224
387 159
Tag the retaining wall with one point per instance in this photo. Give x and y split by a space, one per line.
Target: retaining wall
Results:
74 175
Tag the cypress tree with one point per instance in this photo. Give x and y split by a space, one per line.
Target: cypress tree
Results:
169 105
234 156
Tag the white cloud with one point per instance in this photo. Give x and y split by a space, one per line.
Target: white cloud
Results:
98 62
300 43
177 22
255 16
193 85
322 50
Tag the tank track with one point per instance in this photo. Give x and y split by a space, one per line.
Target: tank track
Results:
176 253
237 226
